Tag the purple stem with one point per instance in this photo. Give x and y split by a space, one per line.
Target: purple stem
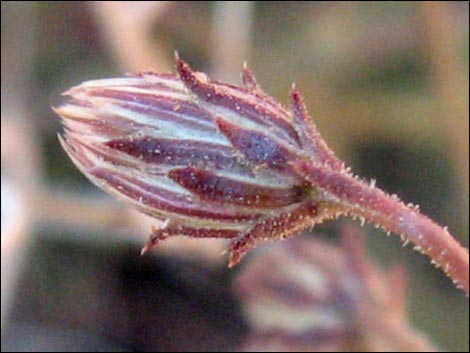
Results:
361 199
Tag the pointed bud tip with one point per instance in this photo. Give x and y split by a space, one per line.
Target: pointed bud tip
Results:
62 141
70 91
145 249
232 262
56 110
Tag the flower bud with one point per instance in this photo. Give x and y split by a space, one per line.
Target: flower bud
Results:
208 158
211 159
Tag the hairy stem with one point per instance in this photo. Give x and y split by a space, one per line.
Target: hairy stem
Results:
364 200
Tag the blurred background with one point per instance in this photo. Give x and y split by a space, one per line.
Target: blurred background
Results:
386 82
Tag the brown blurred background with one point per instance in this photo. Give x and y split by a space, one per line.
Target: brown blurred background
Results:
386 82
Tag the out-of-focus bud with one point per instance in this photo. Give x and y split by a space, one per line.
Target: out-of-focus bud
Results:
306 295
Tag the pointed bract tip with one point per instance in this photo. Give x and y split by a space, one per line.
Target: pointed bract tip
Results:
249 79
295 95
297 104
190 78
178 61
182 68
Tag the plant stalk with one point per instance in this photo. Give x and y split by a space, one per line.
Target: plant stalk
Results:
361 199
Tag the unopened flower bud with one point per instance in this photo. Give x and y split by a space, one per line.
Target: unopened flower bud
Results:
307 295
211 159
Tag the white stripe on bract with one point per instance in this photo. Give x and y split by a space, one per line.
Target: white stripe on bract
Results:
177 114
160 92
168 129
172 83
164 183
